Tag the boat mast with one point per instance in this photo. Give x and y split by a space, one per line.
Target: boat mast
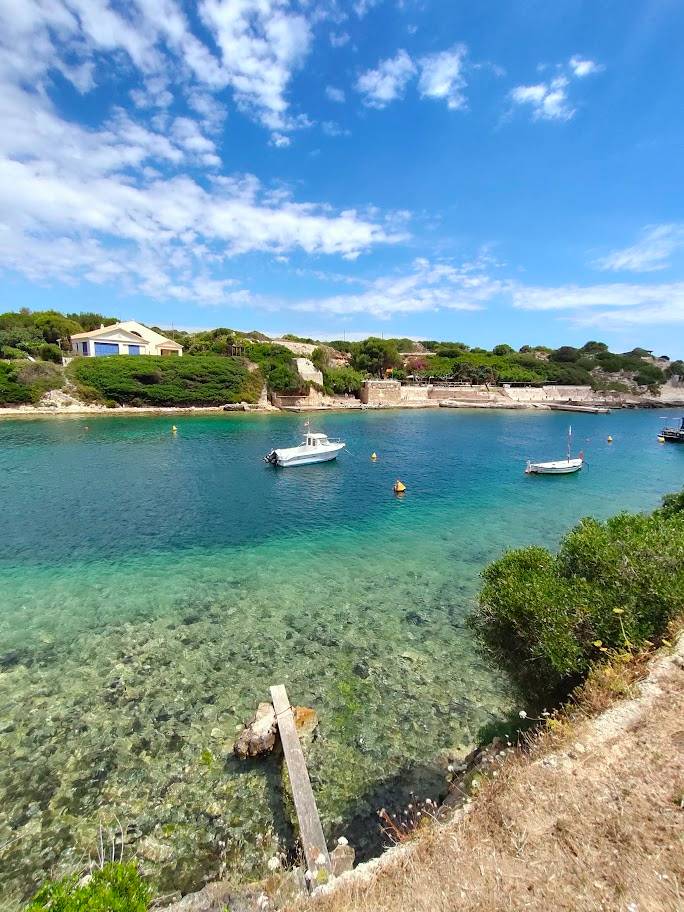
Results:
569 441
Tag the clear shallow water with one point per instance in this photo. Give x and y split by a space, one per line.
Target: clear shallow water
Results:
153 586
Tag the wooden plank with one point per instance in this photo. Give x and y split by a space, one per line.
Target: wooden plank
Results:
310 829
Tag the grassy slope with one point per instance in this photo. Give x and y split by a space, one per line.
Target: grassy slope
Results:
590 819
148 380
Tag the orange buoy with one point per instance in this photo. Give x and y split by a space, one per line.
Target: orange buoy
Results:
399 487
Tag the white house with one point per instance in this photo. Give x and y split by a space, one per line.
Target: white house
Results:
126 338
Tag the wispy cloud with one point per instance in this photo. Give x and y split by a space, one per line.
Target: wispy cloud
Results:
427 286
550 100
335 94
339 39
583 67
387 81
260 46
650 253
441 77
617 303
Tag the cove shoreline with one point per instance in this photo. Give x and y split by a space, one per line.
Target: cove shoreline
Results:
27 411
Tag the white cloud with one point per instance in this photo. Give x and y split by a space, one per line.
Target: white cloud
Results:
361 7
441 76
339 39
387 82
331 128
650 253
280 140
616 303
549 100
115 204
262 43
428 286
583 68
334 94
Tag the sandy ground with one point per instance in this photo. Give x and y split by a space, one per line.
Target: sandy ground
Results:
595 824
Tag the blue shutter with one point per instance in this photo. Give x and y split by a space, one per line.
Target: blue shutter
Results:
133 349
106 348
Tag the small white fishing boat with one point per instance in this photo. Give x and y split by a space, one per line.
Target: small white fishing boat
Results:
313 448
558 467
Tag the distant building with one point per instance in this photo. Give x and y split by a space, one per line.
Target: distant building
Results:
127 338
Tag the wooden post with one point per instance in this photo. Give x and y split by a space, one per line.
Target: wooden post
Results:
310 829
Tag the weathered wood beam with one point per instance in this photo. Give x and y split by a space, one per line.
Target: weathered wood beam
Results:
310 829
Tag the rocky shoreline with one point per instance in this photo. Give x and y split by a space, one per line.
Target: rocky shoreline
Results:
80 409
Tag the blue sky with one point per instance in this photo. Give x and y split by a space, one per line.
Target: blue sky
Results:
484 171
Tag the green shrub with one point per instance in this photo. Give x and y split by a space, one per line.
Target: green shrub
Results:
24 382
341 380
113 888
611 586
12 392
277 366
50 352
154 381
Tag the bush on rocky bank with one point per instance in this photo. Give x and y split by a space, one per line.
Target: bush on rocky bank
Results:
612 586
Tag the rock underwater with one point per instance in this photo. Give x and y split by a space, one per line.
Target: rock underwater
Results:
260 734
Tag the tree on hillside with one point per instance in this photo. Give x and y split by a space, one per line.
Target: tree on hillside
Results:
502 349
566 353
593 348
90 320
451 349
376 356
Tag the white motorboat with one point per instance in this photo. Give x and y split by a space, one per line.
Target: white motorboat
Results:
558 467
313 448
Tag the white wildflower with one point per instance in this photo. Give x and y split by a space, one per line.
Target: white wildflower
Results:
308 876
343 841
320 859
450 768
273 863
522 714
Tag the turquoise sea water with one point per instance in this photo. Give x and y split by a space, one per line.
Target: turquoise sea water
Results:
154 585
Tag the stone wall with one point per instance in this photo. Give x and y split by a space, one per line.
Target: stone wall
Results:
380 392
313 399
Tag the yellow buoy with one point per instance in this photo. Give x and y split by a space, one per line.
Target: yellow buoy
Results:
174 429
399 487
374 456
610 439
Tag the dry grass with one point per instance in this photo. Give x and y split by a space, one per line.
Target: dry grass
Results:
590 819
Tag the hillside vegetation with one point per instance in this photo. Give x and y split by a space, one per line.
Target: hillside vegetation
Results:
153 381
24 382
46 335
612 586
